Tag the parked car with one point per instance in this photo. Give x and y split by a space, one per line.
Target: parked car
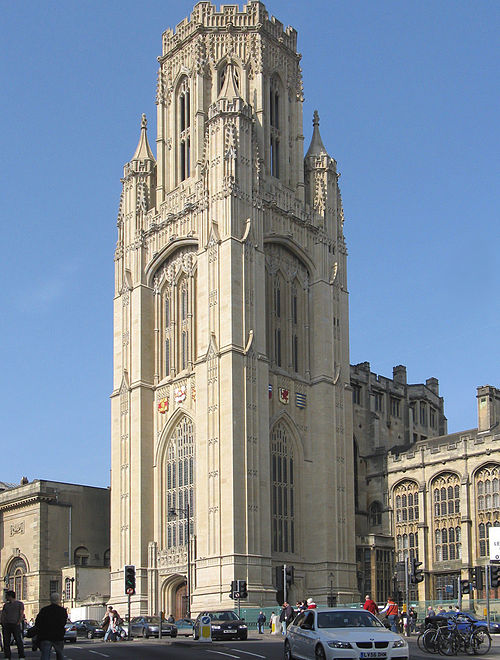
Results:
225 624
89 628
70 632
149 626
328 634
185 626
465 617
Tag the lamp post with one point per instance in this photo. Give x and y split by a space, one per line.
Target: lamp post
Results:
186 512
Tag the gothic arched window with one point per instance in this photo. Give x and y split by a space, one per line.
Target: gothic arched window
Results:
405 497
375 513
487 504
184 129
179 482
275 126
446 517
81 556
283 491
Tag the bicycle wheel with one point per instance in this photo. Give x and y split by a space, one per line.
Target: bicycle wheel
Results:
428 640
420 641
448 643
480 641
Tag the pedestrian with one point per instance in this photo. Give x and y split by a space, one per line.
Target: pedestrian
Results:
370 605
430 611
171 619
311 605
301 606
50 624
413 619
391 611
261 619
274 624
109 624
11 619
441 611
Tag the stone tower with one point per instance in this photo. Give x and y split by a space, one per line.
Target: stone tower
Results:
231 408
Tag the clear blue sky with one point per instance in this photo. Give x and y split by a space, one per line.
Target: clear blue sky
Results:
408 96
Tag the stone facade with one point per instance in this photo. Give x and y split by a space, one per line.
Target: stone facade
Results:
231 407
46 528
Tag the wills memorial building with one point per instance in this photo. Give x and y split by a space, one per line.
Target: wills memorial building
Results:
232 448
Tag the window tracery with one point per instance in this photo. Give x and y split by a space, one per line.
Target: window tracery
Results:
283 491
179 484
184 129
275 126
445 491
406 517
487 504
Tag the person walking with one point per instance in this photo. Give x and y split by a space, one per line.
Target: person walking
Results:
311 605
391 611
413 619
370 605
11 619
50 624
109 623
261 619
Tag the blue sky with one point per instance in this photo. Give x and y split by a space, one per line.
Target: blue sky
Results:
408 97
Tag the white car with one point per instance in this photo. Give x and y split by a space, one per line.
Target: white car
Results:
334 634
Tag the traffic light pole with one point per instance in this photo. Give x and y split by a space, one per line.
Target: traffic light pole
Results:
128 635
284 583
407 597
487 575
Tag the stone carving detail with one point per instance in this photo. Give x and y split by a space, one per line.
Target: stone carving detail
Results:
173 556
17 528
184 260
277 258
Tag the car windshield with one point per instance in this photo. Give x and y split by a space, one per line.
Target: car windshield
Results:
223 616
92 622
151 619
347 620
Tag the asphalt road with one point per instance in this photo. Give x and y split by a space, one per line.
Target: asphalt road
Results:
257 647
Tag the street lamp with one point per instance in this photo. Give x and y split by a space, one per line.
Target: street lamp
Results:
186 512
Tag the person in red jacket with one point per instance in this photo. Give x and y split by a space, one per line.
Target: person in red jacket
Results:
370 605
391 611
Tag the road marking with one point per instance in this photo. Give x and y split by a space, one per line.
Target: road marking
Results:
221 653
248 653
102 654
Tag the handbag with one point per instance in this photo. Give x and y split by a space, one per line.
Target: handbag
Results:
31 632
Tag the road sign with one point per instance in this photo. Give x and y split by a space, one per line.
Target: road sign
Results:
494 536
205 629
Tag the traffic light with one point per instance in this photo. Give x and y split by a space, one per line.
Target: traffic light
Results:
478 577
289 575
416 574
129 572
234 589
242 588
464 586
279 577
495 576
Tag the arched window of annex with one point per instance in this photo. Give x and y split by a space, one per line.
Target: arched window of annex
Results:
375 514
183 129
178 477
81 556
284 489
276 119
446 519
406 517
175 311
15 578
107 558
486 480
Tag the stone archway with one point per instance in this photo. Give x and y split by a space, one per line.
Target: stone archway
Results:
181 601
174 596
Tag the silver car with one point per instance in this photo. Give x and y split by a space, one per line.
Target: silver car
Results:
328 634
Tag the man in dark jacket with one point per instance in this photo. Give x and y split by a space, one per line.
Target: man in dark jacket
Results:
50 628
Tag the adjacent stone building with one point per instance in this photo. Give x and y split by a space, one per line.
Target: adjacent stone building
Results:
54 537
232 430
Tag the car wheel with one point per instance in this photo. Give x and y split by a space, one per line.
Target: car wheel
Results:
243 637
287 652
319 653
173 633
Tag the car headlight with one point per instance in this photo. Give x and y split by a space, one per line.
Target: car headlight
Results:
215 627
399 643
242 626
339 644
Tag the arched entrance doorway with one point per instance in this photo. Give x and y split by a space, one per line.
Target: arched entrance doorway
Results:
180 601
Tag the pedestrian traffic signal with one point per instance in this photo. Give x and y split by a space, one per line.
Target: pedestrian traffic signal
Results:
289 575
478 577
464 586
234 589
495 576
129 572
416 574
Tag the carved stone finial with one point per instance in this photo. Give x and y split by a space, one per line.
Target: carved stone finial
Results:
316 148
144 121
315 118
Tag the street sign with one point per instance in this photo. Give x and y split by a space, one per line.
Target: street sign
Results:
494 536
205 629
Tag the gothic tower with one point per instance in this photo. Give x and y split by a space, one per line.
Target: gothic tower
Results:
231 408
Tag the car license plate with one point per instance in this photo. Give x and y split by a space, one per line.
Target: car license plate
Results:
229 631
373 654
